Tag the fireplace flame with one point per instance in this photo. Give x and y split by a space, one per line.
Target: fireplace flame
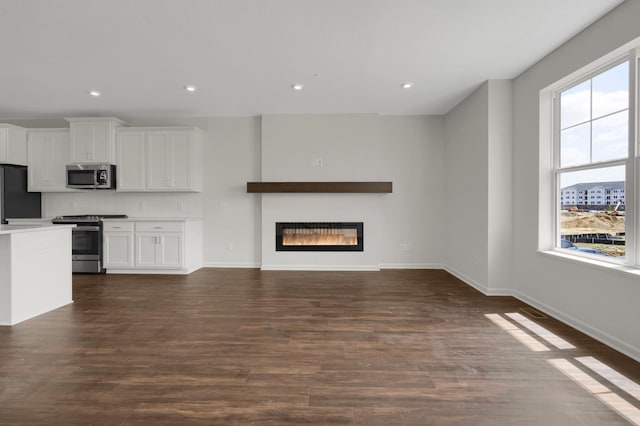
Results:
319 237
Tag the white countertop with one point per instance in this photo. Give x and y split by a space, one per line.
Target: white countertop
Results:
14 229
153 219
45 221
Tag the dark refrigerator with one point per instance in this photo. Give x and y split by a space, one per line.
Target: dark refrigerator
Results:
15 201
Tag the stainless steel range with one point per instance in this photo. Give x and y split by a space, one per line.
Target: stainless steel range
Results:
86 241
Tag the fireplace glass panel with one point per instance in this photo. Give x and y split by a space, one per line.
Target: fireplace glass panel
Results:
319 236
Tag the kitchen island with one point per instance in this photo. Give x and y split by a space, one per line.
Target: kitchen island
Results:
35 270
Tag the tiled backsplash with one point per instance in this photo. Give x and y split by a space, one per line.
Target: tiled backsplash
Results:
132 204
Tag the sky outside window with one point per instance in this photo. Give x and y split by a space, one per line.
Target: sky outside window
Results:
594 120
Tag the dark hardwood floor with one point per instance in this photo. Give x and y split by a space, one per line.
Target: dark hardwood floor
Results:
224 346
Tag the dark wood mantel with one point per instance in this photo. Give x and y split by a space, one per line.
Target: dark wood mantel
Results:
319 187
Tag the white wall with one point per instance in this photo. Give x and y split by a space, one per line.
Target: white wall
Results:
348 144
416 212
598 301
357 147
500 187
466 165
478 134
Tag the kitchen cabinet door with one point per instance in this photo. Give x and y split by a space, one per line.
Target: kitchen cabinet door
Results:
171 161
130 151
60 152
82 146
158 161
146 250
118 250
48 153
159 250
13 145
93 139
38 168
180 151
170 251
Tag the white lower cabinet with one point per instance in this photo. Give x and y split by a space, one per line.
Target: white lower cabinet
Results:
152 246
161 250
118 250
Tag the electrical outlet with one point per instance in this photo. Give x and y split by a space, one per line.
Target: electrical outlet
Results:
229 246
180 205
404 246
317 162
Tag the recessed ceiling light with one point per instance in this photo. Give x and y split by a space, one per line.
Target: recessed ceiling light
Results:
298 86
407 85
95 93
190 88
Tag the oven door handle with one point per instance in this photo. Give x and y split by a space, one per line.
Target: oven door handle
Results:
86 228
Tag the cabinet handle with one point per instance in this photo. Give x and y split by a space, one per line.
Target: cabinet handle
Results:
116 227
157 227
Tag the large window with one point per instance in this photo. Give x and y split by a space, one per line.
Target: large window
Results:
592 124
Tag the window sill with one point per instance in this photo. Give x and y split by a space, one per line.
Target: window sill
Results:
595 263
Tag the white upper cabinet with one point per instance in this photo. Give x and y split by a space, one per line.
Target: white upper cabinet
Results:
48 154
93 139
13 145
161 159
170 160
130 158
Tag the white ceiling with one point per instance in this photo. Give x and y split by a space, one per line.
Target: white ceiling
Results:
244 55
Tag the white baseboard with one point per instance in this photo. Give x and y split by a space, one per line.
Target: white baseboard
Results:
320 268
469 281
230 265
411 266
148 271
324 268
480 287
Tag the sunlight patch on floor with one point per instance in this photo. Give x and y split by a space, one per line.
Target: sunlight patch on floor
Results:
522 336
604 394
545 334
624 383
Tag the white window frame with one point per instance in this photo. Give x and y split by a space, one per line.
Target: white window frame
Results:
631 163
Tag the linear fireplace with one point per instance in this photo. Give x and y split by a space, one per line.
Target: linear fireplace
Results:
319 236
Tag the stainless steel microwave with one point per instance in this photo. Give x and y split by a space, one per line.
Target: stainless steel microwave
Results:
91 176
